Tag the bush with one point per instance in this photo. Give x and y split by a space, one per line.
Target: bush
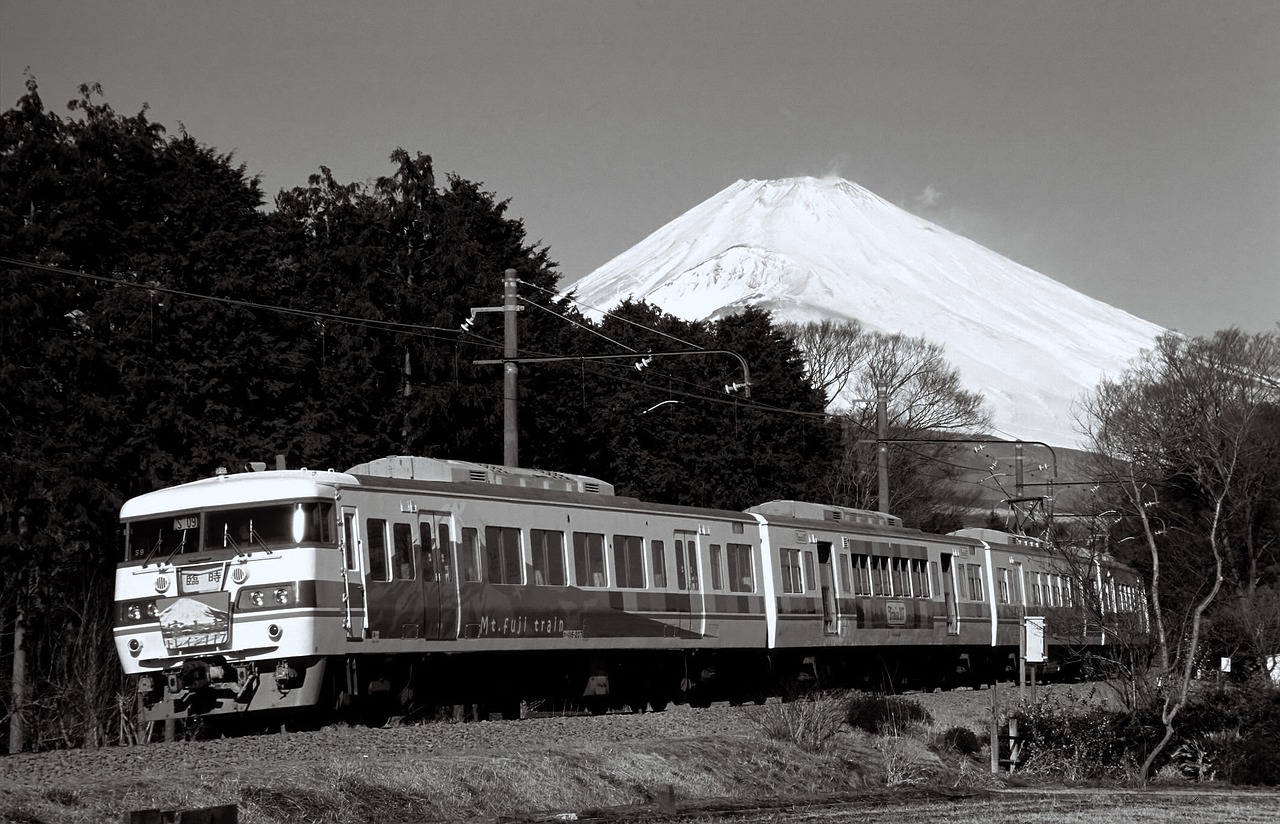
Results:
1074 741
809 722
962 740
874 713
1254 760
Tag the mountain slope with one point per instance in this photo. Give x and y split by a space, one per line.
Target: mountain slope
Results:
812 249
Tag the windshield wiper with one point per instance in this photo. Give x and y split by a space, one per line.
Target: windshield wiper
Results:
227 539
153 550
177 549
254 536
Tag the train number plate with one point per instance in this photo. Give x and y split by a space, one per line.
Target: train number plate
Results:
208 579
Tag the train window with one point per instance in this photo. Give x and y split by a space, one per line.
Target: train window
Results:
319 522
973 574
348 542
588 559
898 576
376 529
259 527
658 550
860 567
446 554
628 561
547 548
741 575
791 581
717 567
470 560
402 552
1002 580
919 577
687 561
157 538
429 551
809 576
880 581
502 552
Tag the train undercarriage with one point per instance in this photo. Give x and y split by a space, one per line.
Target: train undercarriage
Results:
222 697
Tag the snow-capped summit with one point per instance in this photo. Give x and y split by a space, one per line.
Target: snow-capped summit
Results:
825 248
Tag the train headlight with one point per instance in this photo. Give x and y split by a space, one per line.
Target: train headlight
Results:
152 612
133 612
274 632
257 598
283 596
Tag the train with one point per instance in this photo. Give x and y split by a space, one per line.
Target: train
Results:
409 585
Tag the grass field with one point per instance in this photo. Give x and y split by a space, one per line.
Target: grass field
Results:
776 762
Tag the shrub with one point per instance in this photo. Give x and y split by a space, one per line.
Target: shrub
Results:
809 722
962 740
874 713
1254 760
1073 741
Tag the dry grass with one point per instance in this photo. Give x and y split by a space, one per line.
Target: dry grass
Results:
746 766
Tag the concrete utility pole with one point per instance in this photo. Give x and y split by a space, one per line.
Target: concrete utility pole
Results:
882 446
511 360
510 371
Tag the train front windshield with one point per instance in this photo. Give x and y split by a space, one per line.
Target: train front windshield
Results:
244 529
270 526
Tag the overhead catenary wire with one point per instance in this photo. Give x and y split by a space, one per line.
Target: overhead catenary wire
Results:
619 318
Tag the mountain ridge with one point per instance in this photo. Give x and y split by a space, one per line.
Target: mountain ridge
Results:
826 248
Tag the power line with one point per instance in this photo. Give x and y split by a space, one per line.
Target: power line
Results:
614 316
392 326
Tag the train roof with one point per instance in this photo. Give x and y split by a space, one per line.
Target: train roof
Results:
409 467
238 488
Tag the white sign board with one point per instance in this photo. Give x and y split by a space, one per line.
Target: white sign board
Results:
1034 628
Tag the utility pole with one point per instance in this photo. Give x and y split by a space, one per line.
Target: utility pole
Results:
510 371
511 360
1017 471
882 446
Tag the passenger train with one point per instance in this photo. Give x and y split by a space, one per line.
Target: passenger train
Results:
409 583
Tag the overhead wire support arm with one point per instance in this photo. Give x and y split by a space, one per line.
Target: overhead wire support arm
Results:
641 361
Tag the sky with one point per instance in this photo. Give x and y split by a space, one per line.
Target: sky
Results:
1130 150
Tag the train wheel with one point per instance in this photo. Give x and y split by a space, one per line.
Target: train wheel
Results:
375 711
512 710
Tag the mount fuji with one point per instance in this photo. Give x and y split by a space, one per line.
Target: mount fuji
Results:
812 249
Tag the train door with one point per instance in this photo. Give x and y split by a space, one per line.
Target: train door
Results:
439 586
394 591
688 579
354 608
827 579
949 595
